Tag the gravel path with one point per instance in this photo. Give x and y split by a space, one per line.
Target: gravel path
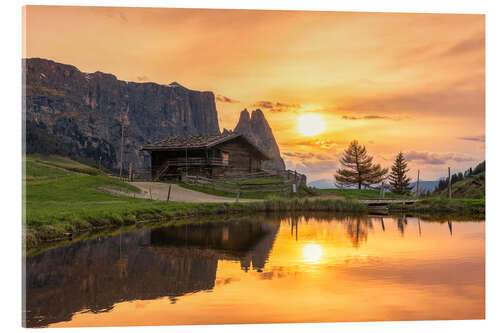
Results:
159 191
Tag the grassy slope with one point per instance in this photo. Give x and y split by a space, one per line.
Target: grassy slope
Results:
60 201
470 188
233 187
354 194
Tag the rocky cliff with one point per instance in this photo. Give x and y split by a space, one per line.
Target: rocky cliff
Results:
69 112
258 130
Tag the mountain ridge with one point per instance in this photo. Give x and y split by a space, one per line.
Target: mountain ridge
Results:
80 115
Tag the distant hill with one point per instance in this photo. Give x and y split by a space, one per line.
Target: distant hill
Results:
322 184
425 185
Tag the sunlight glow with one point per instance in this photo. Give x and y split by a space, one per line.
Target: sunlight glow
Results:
311 124
312 253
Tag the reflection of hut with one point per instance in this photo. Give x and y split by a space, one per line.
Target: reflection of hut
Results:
247 241
148 264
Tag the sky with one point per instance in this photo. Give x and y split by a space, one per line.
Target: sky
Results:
393 81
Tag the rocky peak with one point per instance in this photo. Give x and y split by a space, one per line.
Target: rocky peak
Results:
256 128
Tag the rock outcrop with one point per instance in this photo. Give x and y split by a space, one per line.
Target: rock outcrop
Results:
69 112
258 130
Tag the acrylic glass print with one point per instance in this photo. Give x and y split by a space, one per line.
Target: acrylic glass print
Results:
198 166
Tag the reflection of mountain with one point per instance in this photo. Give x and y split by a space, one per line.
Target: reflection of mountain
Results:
148 264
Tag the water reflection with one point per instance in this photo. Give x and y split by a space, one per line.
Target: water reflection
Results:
148 264
335 268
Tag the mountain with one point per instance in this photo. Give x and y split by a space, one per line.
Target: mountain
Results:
77 114
258 130
322 184
425 185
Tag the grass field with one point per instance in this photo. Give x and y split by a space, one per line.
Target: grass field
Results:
63 197
355 194
472 207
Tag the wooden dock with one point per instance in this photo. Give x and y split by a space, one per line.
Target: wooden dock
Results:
385 202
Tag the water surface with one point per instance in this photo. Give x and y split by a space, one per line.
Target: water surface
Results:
314 268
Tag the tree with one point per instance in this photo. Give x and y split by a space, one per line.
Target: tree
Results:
359 169
398 179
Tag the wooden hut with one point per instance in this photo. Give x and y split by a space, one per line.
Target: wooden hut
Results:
229 154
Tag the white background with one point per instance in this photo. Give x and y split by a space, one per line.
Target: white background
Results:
10 176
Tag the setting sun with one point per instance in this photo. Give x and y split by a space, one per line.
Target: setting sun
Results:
311 124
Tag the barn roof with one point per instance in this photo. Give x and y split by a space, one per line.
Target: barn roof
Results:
181 142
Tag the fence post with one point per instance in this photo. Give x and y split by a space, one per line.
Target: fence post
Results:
418 184
169 188
238 193
150 195
130 173
449 183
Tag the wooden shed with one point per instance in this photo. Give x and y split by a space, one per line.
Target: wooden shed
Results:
204 155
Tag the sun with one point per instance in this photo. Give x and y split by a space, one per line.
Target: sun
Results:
311 124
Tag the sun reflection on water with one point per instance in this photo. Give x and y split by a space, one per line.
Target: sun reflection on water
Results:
312 253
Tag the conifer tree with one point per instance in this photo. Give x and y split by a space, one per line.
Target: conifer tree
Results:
359 168
398 179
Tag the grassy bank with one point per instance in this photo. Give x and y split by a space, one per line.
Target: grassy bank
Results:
62 202
470 207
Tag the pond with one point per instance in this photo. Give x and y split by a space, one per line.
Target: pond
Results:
264 269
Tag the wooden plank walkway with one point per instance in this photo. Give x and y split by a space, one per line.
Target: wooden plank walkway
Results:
384 202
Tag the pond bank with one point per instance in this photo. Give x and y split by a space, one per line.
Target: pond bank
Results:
38 232
473 207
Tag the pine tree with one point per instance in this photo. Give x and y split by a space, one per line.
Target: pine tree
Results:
359 169
398 179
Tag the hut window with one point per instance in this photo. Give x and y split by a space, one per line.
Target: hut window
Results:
225 158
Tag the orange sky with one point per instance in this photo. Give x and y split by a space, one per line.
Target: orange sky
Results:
409 82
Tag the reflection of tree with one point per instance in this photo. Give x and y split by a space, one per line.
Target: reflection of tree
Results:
450 226
402 223
357 229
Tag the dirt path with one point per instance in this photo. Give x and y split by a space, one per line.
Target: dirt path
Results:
159 191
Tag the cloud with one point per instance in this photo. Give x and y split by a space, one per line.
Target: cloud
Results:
479 138
224 99
264 104
312 164
369 117
142 78
276 106
475 43
436 158
316 143
460 98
